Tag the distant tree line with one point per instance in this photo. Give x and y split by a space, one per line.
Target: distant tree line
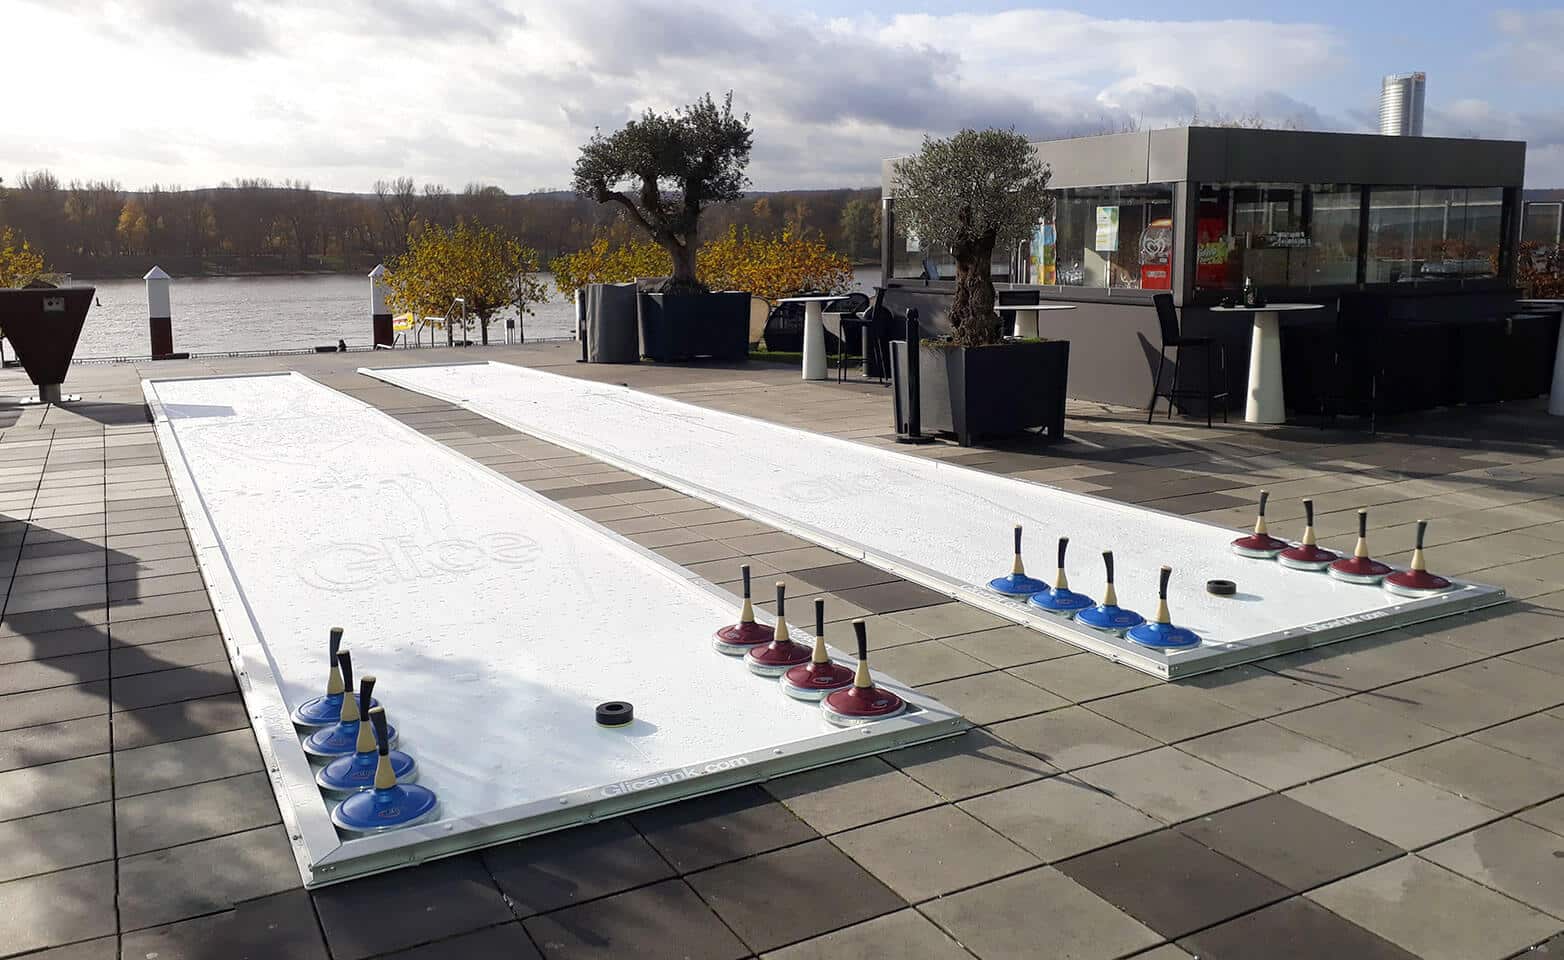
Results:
99 229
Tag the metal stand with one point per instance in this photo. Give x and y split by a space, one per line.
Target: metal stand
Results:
914 433
49 393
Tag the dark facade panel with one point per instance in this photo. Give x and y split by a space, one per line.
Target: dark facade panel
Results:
1296 156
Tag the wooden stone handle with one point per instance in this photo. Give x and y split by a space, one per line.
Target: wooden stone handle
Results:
1064 543
1162 591
862 633
1107 561
377 717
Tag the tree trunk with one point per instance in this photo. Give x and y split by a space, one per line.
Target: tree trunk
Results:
683 255
972 309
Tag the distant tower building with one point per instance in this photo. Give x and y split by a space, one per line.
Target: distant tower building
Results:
1401 104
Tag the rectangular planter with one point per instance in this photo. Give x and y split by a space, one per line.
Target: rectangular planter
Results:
983 391
683 326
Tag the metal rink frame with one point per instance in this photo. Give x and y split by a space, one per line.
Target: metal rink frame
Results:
1170 664
323 857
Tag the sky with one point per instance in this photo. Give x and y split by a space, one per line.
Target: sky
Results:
341 93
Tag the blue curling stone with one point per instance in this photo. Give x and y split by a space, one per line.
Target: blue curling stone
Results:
1163 635
1065 603
1017 585
376 811
324 711
339 741
357 772
1111 618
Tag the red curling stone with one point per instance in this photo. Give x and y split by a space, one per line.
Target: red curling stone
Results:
813 681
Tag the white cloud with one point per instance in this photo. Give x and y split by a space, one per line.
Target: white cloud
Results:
504 91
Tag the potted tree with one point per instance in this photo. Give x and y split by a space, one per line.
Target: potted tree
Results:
973 193
663 170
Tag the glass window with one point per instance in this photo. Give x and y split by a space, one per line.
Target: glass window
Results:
1278 235
914 259
1109 237
1421 234
1542 222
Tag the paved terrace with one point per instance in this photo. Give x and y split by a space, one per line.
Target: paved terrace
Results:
1397 795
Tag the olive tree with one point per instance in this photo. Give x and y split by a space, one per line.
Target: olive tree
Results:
972 193
664 169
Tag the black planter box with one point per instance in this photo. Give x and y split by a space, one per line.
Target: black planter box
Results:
682 326
43 325
981 391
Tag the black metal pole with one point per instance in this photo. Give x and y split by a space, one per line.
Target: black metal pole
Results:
914 432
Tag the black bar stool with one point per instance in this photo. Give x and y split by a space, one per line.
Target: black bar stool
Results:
1167 319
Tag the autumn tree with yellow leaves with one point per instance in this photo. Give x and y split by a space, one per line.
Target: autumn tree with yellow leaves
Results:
769 266
20 264
487 268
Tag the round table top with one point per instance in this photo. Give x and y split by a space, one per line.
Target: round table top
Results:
1269 308
1034 306
838 296
1551 303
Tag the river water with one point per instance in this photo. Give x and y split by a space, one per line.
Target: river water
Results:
233 314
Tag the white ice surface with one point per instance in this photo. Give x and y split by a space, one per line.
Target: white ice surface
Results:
952 521
494 620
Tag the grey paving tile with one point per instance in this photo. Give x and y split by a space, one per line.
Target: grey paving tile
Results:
1360 728
143 608
1293 844
1510 856
1295 929
1539 737
179 763
415 905
53 705
1169 784
699 833
141 690
1059 817
665 921
1171 883
929 661
159 629
933 852
842 576
197 812
1501 629
146 586
178 721
948 620
1040 913
29 791
1258 692
1369 662
57 908
55 841
1084 677
508 940
103 948
1011 646
991 697
186 881
1270 755
893 597
1073 737
137 569
846 795
1404 810
1490 776
152 657
29 675
79 639
964 766
1549 816
53 742
778 898
1434 913
904 935
560 869
1169 713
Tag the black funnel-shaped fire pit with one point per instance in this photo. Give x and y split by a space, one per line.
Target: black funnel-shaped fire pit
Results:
43 325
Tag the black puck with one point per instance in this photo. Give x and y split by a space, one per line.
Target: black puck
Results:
615 713
1221 588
